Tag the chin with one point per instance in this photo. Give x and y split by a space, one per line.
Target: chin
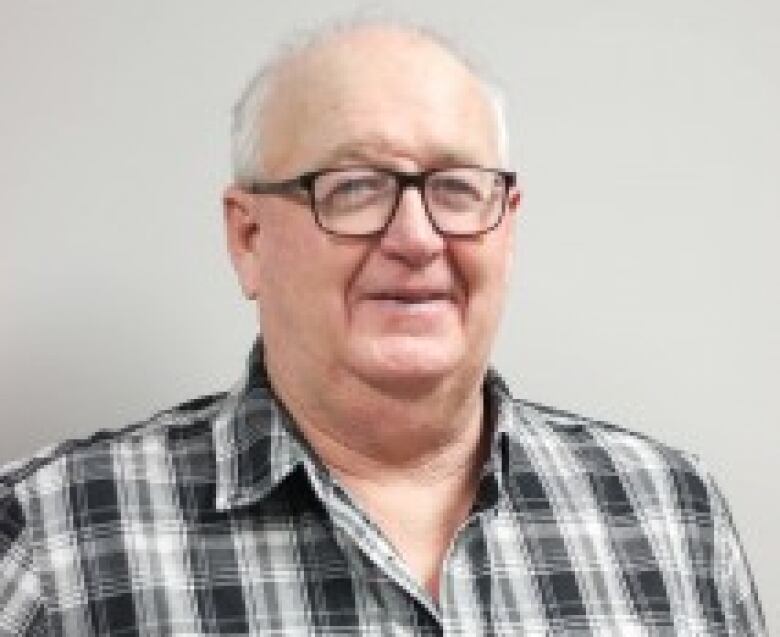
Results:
406 362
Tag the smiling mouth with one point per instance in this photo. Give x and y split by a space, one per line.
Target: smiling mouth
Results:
413 298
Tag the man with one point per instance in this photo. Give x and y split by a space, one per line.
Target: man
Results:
369 475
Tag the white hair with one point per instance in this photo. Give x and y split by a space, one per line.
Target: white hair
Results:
248 111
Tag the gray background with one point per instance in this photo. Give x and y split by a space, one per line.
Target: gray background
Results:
646 286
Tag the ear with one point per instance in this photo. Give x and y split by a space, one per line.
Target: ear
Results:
514 197
513 201
240 231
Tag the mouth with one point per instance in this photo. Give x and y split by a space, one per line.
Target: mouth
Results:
408 311
411 297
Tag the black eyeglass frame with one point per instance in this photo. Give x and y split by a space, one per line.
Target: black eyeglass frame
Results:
305 181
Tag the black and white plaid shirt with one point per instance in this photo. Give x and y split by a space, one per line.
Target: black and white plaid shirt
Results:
215 518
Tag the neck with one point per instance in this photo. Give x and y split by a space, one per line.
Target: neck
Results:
396 442
425 447
359 429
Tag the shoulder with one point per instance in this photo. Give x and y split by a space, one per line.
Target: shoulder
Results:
558 442
655 503
621 442
78 498
185 428
617 463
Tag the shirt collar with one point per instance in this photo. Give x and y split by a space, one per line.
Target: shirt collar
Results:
257 445
499 417
254 440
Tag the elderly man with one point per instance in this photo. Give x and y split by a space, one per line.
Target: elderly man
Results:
369 475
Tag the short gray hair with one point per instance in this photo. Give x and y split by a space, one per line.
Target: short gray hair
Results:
246 136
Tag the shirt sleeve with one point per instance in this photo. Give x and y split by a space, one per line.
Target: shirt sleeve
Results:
21 608
741 605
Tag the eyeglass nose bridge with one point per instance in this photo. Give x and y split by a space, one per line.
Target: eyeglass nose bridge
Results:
416 181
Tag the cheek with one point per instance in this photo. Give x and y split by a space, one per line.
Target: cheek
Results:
275 265
502 255
303 277
483 267
281 269
485 271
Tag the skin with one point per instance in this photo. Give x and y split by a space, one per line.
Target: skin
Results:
388 393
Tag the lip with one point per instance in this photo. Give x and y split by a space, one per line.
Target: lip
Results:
405 309
410 295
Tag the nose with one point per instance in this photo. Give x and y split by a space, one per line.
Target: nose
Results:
411 237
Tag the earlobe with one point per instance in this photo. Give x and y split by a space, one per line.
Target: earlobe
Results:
240 233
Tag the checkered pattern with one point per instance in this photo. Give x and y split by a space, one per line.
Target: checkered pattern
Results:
215 518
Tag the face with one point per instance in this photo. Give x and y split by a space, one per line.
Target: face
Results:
397 311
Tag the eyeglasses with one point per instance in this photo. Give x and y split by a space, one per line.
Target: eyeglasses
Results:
462 201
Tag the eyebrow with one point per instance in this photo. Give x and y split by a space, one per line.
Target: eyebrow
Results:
378 149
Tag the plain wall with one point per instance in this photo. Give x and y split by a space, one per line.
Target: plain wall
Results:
647 268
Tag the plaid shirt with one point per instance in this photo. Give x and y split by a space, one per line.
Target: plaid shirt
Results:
215 518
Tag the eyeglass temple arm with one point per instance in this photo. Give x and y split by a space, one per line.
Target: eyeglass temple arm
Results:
278 187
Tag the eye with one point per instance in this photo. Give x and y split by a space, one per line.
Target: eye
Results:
456 186
355 186
344 190
353 191
458 190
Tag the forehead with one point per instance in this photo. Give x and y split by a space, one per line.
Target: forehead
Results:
380 96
